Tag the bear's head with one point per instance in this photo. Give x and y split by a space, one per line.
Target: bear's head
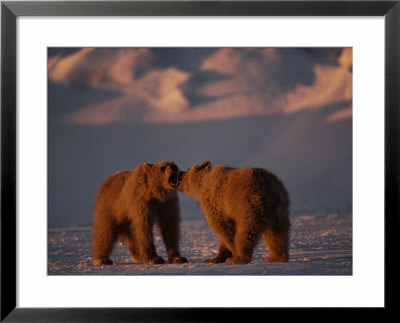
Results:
164 175
190 181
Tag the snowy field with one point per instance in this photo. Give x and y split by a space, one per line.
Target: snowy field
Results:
320 245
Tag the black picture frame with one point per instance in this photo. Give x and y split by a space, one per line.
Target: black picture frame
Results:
10 10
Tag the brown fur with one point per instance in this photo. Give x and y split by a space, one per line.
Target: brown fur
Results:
240 205
128 204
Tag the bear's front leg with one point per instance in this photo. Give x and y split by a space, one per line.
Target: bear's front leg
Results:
223 254
145 246
245 241
168 225
225 228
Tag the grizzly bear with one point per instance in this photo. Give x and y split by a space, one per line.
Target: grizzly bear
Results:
240 205
128 204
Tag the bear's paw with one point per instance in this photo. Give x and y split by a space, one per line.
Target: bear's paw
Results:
275 259
98 262
216 260
155 261
237 260
178 260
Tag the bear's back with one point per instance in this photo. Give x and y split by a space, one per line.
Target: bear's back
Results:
230 176
257 187
112 185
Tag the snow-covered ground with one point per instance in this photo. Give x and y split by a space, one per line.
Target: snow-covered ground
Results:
320 245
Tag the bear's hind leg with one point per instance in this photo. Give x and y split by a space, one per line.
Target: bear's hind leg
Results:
277 242
104 238
130 243
128 238
223 254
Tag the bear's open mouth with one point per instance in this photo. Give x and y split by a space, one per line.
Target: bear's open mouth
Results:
173 180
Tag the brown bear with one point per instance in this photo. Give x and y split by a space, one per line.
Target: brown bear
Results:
128 204
240 205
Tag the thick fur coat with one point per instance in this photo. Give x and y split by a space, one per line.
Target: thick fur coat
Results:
240 206
128 204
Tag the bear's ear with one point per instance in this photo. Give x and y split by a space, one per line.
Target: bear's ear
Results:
205 165
147 166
